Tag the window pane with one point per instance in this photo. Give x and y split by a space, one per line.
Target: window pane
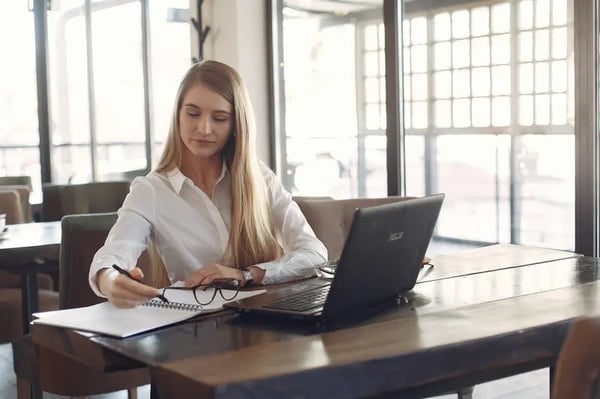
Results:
481 112
541 44
461 83
559 12
321 150
443 84
420 115
407 88
546 190
501 18
418 30
480 51
542 77
526 110
481 81
460 54
461 113
500 80
526 78
441 27
542 13
371 36
525 14
559 109
371 63
443 113
470 180
405 32
119 118
525 46
372 90
480 24
500 111
559 43
419 59
443 55
559 76
19 138
170 55
501 49
542 109
419 86
406 61
460 24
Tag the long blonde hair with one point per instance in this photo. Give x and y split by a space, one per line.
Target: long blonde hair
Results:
252 238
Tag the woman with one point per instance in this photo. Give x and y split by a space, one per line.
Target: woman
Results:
210 207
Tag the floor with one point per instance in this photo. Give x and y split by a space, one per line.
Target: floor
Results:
533 385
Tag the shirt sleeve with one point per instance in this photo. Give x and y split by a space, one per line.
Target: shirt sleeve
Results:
302 250
128 237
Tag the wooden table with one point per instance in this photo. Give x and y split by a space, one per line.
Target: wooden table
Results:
27 249
465 327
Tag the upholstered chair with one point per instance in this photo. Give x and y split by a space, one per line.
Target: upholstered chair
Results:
23 185
69 199
82 235
578 366
330 220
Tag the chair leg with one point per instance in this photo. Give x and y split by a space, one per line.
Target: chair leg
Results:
23 389
132 393
465 393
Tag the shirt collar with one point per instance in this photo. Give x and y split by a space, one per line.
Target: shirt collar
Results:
177 178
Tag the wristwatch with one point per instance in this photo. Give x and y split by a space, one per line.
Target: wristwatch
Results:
248 277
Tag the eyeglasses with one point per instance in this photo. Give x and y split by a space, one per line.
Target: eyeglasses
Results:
228 288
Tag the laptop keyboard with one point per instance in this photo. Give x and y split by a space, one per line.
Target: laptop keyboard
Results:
302 301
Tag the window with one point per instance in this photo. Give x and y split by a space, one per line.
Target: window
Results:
488 99
100 121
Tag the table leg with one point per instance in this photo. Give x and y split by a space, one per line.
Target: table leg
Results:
153 391
29 298
551 375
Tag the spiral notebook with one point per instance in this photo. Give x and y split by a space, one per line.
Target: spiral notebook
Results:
104 318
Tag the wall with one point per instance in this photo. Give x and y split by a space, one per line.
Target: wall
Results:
238 37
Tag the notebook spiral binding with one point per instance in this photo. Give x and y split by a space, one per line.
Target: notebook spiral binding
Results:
155 303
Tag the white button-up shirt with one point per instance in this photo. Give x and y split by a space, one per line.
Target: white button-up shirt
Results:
190 229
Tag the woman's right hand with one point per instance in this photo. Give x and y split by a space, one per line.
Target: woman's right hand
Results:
123 291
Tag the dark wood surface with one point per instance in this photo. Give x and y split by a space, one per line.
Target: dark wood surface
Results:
27 249
456 316
491 257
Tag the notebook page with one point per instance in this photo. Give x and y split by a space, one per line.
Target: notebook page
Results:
104 318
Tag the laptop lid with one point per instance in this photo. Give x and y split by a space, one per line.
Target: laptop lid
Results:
381 259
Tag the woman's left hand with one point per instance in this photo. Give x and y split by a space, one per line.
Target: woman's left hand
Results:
212 271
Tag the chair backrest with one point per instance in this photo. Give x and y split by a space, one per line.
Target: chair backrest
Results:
82 236
10 204
16 181
69 199
330 219
578 365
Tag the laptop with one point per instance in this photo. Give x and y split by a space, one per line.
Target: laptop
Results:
381 260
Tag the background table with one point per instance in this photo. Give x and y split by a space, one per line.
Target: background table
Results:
27 249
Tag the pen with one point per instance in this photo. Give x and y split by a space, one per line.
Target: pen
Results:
126 273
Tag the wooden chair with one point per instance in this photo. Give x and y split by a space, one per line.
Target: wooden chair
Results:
330 220
578 366
69 199
82 235
10 292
